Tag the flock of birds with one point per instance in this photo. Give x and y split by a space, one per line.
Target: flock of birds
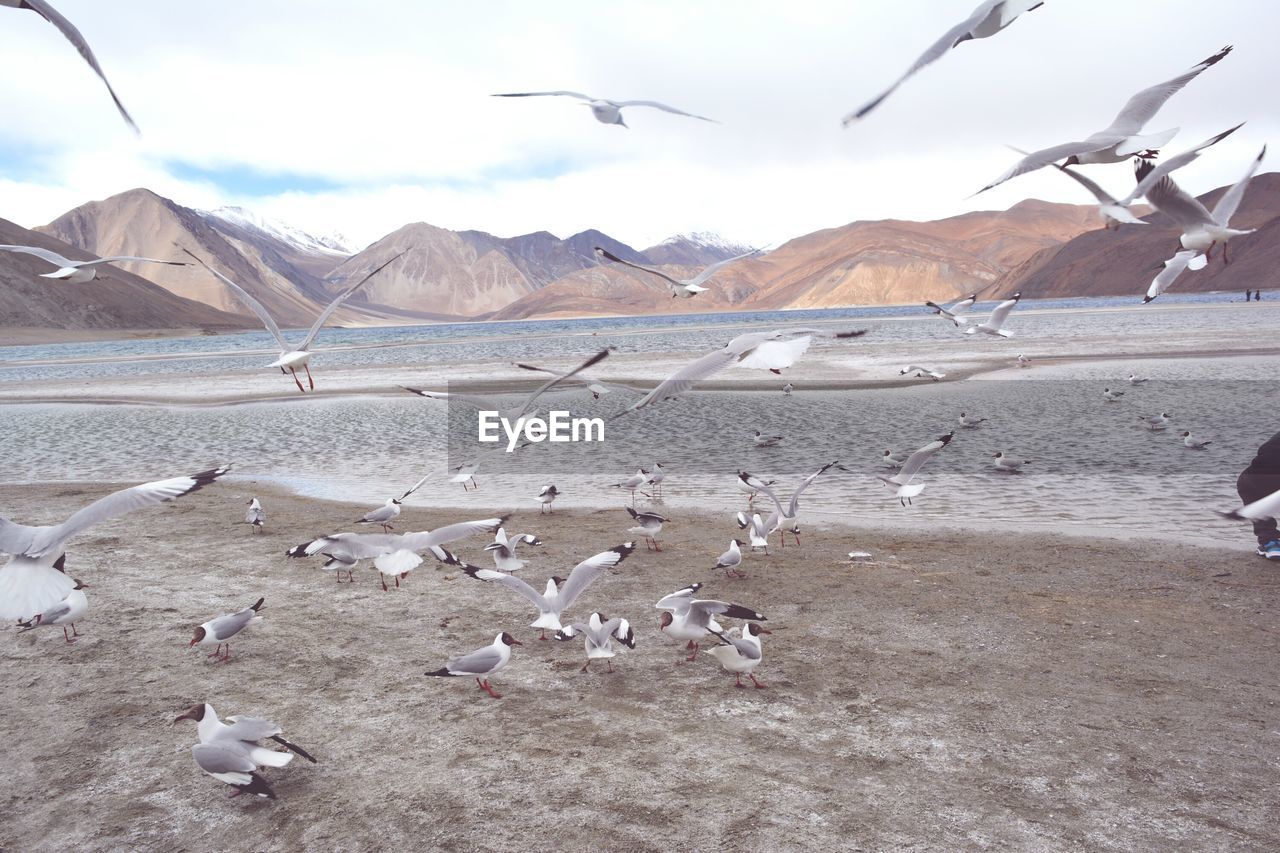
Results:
37 590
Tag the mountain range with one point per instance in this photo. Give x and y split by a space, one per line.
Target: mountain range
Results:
1040 248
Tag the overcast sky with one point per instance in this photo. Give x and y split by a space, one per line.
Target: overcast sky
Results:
359 118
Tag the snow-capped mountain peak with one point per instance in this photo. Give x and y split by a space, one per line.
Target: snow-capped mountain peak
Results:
332 244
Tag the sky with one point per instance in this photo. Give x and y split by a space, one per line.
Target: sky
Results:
357 119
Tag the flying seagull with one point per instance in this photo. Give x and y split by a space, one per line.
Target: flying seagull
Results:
33 581
956 312
50 14
685 288
902 482
1122 138
994 325
1201 229
988 19
605 111
79 272
1187 259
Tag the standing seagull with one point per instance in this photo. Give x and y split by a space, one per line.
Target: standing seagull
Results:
1123 137
756 530
291 359
546 497
50 14
649 525
1201 229
692 619
481 663
994 325
956 313
255 515
221 629
79 272
681 287
231 754
902 481
389 511
788 519
741 655
504 550
605 111
772 351
730 560
633 482
32 581
69 611
560 593
989 18
600 631
787 388
655 480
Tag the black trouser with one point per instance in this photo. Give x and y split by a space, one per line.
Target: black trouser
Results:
1260 479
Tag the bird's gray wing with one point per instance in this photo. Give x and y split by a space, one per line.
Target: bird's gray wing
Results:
678 601
916 461
418 485
560 377
1226 206
482 403
250 728
708 608
1102 196
38 541
1045 156
62 608
44 10
1176 203
702 277
688 376
661 106
115 258
1171 164
1169 272
337 302
42 254
590 569
510 581
1001 312
795 497
1142 107
382 513
761 486
617 260
959 33
252 304
227 626
449 533
578 95
748 650
228 760
476 663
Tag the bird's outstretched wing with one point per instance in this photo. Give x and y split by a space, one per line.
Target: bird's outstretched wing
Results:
253 305
341 298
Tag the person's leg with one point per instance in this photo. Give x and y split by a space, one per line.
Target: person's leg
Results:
1260 479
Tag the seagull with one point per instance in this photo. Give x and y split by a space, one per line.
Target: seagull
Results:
995 322
970 423
560 592
1135 379
633 482
730 560
1116 212
1023 361
255 515
1190 441
1111 396
513 413
889 460
504 550
1202 229
654 481
1155 423
649 526
1187 259
786 520
902 481
69 611
32 581
1010 466
389 511
464 474
989 18
221 629
1122 138
680 287
957 313
756 531
482 663
762 440
79 272
772 351
692 619
1259 510
600 631
921 372
392 554
68 30
292 358
788 388
231 753
546 496
749 489
605 111
740 655
598 389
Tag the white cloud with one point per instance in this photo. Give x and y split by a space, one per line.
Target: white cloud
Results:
389 103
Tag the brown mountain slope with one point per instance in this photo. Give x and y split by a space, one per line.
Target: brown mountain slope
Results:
863 263
114 300
1107 263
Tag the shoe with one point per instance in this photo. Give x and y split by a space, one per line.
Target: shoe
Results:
1271 550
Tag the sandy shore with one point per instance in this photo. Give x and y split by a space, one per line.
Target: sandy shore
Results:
959 692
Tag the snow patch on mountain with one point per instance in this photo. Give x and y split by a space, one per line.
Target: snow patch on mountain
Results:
332 244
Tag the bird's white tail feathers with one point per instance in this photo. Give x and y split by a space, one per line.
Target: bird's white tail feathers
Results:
27 589
1144 142
397 562
269 757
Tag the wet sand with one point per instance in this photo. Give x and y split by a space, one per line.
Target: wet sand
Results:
959 692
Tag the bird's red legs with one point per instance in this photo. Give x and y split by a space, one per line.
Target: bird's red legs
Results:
1208 254
738 681
484 685
543 635
610 663
310 381
294 373
64 634
692 645
1225 259
585 665
759 685
217 650
384 582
